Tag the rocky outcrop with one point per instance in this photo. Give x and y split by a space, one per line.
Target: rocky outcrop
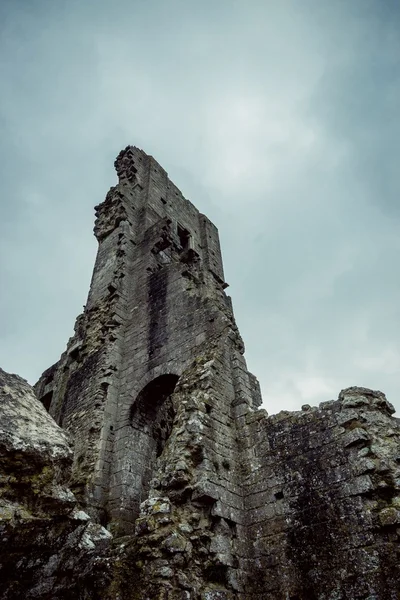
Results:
49 548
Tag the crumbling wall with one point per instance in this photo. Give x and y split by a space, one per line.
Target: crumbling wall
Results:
83 384
188 530
322 500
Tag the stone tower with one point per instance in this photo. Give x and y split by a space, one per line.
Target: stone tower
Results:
218 500
156 304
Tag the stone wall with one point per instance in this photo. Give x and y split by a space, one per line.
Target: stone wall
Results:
322 499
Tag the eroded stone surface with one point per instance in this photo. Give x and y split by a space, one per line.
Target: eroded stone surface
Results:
48 547
322 495
25 425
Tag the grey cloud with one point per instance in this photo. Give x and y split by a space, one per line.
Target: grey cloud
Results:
278 120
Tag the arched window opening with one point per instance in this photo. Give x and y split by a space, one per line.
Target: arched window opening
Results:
153 412
151 418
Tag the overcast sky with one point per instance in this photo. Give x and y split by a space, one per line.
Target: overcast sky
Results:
278 119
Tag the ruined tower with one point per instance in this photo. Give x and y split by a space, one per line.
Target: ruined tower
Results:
219 501
156 304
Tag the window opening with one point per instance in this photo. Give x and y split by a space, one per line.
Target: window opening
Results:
152 418
184 237
153 411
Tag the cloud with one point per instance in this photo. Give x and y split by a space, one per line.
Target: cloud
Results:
278 120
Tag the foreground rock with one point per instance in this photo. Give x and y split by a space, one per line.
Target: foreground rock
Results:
48 547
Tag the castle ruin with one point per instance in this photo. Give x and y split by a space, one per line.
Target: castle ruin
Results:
171 451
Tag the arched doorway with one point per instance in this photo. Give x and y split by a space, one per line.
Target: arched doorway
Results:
151 417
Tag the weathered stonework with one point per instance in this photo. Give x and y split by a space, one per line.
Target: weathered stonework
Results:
320 486
206 497
156 298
